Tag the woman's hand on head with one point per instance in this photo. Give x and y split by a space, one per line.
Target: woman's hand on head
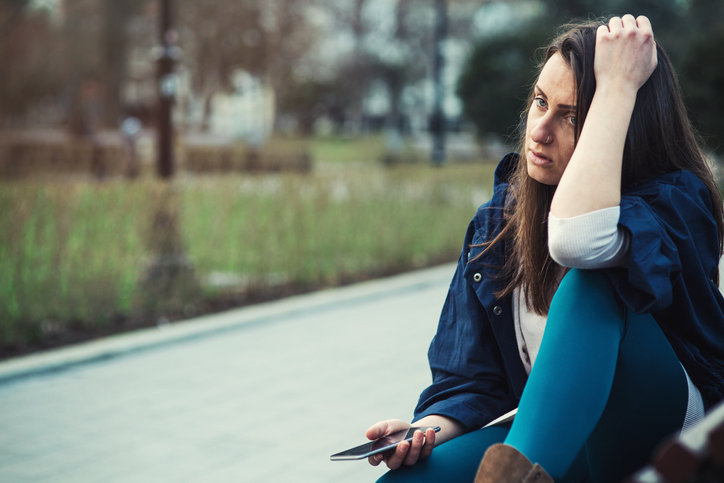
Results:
625 53
406 453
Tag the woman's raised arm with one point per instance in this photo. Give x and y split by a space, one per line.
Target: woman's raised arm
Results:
625 58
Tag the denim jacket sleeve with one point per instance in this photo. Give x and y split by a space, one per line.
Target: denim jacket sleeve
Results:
672 227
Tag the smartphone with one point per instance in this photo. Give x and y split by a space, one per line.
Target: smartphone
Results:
379 445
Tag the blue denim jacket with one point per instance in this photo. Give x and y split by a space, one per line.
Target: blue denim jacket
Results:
476 368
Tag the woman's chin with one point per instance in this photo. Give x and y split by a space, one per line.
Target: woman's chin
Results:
544 175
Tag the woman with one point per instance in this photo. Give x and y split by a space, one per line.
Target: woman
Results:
606 232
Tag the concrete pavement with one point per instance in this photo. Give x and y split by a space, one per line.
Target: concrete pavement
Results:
259 394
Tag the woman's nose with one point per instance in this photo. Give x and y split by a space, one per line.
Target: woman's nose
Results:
541 132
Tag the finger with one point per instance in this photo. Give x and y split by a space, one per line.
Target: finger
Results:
383 428
644 23
377 430
601 32
376 459
396 459
429 444
415 447
615 24
628 21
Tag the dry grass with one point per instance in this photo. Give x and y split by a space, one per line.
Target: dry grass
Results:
74 253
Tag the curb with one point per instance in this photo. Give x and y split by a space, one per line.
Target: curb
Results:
214 324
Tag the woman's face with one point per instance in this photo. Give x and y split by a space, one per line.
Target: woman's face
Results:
551 126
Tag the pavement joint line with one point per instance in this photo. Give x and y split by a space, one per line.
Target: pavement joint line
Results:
220 323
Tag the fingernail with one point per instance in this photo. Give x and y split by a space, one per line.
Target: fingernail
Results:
404 445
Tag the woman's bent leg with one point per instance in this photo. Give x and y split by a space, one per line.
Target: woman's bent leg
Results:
455 461
598 373
648 402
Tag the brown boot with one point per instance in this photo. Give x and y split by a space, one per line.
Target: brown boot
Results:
505 464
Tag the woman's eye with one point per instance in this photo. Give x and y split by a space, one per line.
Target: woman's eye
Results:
572 120
540 102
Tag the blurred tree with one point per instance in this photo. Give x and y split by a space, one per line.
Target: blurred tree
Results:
11 13
701 70
288 39
266 39
495 82
702 80
95 36
413 39
352 75
31 59
310 99
81 29
666 16
391 45
116 17
492 86
217 38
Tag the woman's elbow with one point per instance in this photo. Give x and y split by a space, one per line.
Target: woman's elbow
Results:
565 253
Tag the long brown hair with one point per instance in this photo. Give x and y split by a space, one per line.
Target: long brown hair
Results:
660 140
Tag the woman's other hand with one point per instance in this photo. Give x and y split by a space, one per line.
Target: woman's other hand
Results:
422 444
406 453
625 53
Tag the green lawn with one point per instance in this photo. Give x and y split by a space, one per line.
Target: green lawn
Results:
75 252
339 150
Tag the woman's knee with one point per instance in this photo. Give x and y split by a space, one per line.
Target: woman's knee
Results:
580 282
586 295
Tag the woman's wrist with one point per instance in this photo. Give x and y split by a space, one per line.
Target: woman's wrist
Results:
619 96
449 428
592 179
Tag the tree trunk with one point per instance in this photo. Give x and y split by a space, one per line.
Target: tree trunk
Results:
208 110
116 16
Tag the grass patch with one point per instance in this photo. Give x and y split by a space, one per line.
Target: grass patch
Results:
73 253
363 149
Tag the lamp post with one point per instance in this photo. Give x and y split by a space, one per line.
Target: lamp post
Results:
167 86
438 115
169 283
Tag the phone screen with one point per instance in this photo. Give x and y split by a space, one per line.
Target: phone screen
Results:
379 445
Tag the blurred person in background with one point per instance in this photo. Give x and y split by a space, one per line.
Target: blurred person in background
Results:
586 294
131 128
84 123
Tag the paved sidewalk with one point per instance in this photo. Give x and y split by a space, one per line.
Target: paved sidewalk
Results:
260 394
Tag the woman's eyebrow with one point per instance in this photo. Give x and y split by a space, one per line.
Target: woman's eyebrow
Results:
562 106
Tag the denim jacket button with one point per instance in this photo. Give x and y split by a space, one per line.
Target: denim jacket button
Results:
497 310
477 277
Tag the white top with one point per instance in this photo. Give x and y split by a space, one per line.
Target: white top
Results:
589 241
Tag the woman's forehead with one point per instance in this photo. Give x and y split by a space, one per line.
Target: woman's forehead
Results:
556 81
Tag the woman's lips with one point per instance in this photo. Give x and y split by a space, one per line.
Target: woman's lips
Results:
538 158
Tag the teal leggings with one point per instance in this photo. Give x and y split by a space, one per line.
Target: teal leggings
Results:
605 389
